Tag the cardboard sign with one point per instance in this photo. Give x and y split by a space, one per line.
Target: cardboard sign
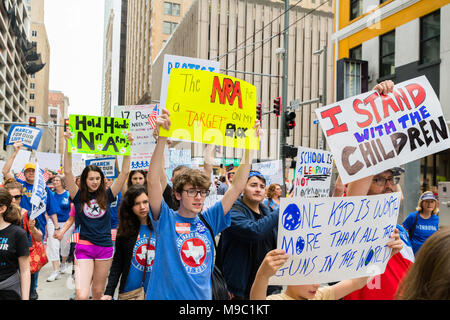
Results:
38 198
313 173
333 239
29 136
271 170
108 166
370 133
99 135
180 62
144 143
51 161
211 108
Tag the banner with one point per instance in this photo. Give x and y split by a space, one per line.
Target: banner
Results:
370 133
312 173
333 239
38 198
171 62
271 170
108 166
144 143
99 135
29 136
211 108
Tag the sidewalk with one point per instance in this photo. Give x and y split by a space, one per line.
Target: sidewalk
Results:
61 289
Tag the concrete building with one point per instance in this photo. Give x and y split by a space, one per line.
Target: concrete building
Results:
14 32
58 106
38 83
150 24
402 40
244 36
114 55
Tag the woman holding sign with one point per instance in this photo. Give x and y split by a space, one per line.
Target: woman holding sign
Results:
92 200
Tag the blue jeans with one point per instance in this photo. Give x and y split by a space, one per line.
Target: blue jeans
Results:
34 282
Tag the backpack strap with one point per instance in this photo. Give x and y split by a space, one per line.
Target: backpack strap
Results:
413 228
202 218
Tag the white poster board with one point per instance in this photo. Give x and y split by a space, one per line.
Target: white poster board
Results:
51 161
370 133
271 170
313 173
144 143
333 239
22 158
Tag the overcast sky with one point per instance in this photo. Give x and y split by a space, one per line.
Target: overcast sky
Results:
75 35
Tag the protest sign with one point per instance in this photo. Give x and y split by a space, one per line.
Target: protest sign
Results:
38 198
29 136
312 173
211 108
271 170
51 161
211 200
177 157
99 135
171 62
370 133
144 143
108 166
333 239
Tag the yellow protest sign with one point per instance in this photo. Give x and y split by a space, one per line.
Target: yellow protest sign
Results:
211 108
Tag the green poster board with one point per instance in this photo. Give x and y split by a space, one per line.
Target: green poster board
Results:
99 135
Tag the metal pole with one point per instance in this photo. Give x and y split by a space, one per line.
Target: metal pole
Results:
324 93
283 105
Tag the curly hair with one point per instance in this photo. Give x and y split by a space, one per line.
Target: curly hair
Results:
195 177
271 190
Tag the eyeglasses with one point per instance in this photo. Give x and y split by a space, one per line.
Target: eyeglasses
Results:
193 193
381 182
17 197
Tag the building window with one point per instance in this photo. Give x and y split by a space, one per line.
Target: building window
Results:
387 54
31 109
172 9
31 96
32 85
430 33
34 33
169 27
356 53
355 9
33 76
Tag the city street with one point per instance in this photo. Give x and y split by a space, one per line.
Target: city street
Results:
61 289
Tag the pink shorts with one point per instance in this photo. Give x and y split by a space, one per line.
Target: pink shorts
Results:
93 252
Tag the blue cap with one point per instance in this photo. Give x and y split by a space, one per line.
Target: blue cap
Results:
428 196
258 174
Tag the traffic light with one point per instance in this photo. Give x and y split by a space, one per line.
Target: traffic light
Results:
66 124
277 106
289 121
290 151
32 121
259 111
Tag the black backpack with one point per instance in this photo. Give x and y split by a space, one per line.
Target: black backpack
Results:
219 285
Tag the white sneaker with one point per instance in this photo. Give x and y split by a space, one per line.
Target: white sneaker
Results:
63 268
54 276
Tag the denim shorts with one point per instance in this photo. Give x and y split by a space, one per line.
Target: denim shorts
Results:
93 252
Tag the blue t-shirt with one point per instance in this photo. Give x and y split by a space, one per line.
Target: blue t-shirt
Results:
52 206
184 254
114 207
63 201
424 228
95 223
141 250
271 204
